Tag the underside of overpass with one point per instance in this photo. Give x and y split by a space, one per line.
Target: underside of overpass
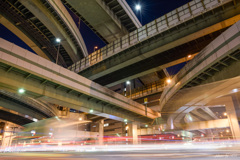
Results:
27 21
106 26
173 44
11 117
68 89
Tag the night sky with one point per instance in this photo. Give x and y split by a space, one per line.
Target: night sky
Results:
151 9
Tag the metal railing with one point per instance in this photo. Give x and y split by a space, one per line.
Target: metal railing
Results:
146 90
178 16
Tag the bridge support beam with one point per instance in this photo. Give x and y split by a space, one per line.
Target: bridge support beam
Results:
231 103
232 107
132 132
101 132
6 136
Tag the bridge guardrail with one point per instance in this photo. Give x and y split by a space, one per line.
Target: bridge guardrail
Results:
228 42
154 87
161 24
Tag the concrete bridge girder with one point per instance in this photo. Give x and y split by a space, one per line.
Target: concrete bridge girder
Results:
212 124
107 24
189 33
200 96
48 19
23 37
77 92
220 48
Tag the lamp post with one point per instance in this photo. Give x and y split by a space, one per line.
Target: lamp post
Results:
188 58
129 83
95 48
138 7
168 81
58 40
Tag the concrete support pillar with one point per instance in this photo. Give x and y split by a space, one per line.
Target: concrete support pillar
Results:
232 107
2 129
7 137
101 132
132 132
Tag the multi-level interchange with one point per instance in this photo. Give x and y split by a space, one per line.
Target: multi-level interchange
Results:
123 89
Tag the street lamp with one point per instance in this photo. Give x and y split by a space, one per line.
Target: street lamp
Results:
168 81
35 119
129 83
21 90
138 7
95 48
58 40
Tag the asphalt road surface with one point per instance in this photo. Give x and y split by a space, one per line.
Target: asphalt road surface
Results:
219 154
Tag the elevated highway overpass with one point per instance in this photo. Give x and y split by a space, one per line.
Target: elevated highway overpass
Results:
184 31
212 74
38 23
47 81
114 17
19 109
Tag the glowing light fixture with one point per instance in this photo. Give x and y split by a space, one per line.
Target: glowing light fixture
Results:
80 119
235 90
128 82
95 48
125 120
146 125
58 40
225 114
169 81
35 120
21 90
91 110
138 7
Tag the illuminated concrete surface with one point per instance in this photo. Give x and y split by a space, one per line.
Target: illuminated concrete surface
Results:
226 44
108 24
31 43
39 24
149 41
79 92
52 23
